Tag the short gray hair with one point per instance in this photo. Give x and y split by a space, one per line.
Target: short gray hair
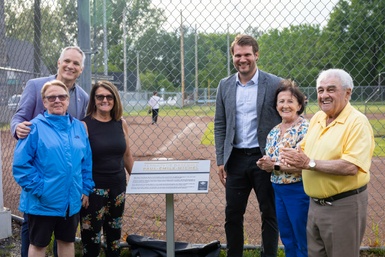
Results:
74 48
343 76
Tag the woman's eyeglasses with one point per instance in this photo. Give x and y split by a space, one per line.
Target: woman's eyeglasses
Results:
101 97
52 98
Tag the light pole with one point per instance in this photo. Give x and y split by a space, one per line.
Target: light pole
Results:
138 85
376 91
379 79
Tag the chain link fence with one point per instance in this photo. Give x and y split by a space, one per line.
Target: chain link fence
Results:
180 48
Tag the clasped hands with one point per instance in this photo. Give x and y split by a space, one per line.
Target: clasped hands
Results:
296 158
290 157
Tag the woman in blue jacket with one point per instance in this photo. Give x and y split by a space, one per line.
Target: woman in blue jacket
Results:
53 165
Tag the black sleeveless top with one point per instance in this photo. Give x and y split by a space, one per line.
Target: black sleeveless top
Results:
108 147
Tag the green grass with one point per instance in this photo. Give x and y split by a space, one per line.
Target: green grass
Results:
208 136
209 110
371 108
379 137
196 110
378 130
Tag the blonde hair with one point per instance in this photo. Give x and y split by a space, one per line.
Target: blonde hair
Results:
53 83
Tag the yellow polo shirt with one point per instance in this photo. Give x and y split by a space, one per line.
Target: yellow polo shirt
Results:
348 137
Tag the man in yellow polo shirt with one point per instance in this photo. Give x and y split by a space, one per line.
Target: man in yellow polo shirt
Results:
335 158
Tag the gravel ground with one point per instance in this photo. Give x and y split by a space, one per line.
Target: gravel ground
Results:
10 247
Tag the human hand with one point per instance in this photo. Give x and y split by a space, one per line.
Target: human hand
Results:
85 201
265 163
23 129
294 157
222 174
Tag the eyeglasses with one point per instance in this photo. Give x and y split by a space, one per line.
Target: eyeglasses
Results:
52 98
101 97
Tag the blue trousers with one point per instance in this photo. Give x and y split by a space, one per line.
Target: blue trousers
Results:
243 175
292 205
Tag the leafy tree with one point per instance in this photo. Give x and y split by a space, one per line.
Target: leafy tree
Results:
140 18
355 33
59 27
58 23
212 58
293 53
159 52
151 81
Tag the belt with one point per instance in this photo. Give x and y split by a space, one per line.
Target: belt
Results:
247 151
329 200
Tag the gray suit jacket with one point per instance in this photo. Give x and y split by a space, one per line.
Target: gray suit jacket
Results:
224 121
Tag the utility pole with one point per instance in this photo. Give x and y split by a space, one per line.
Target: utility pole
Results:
105 50
182 57
124 50
84 38
196 65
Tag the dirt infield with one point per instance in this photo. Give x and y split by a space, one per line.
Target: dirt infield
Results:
199 218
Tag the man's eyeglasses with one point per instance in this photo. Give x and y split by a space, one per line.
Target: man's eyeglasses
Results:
101 97
52 98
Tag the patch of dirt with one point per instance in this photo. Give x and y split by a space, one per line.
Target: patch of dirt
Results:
11 246
198 218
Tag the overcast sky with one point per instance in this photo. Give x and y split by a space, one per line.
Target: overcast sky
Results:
216 15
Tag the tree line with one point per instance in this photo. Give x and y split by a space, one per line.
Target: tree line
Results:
353 39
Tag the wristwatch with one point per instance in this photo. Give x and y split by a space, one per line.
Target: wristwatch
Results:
277 167
312 164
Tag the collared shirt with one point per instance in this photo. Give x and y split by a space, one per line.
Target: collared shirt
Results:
349 137
246 113
73 106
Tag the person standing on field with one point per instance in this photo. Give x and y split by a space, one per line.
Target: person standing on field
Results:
245 113
154 107
69 67
111 164
335 157
53 165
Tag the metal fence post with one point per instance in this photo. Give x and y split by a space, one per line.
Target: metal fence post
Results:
84 38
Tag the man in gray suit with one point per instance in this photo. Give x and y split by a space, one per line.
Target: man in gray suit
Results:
245 113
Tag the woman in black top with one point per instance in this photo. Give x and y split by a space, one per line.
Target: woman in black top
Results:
111 156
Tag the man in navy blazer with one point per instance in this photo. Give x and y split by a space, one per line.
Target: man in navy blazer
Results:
245 113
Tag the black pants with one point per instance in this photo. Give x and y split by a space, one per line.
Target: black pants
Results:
155 115
243 175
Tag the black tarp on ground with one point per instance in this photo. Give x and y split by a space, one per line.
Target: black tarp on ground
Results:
142 246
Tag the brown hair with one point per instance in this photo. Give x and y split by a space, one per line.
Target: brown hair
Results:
116 111
291 86
244 40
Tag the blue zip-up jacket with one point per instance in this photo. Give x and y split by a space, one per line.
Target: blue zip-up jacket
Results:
53 165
